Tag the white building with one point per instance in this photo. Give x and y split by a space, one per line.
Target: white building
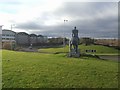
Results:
0 36
0 29
8 38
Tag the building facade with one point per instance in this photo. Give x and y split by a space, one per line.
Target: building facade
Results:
40 39
0 36
8 39
23 39
11 38
33 39
45 39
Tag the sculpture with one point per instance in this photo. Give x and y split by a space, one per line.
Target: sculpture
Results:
73 44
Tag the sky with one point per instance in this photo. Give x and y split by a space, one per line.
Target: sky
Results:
93 18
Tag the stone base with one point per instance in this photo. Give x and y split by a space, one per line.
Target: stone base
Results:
74 54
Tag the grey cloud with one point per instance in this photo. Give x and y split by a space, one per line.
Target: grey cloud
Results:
95 26
84 8
29 26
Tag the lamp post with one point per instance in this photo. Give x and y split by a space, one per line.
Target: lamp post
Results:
12 42
12 26
1 36
64 34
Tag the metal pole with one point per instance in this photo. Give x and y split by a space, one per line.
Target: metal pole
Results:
11 40
64 35
11 26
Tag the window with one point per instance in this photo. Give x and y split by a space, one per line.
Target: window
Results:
3 38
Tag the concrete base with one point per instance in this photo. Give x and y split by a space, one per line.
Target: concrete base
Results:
74 54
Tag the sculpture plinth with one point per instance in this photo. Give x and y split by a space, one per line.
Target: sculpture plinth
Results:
72 53
73 44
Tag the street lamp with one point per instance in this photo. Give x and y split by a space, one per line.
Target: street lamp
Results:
12 26
64 34
12 42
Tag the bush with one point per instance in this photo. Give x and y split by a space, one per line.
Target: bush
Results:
6 45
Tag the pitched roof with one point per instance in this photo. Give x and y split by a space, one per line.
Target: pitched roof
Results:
23 33
33 35
8 30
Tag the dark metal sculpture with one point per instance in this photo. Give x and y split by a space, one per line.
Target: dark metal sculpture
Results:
73 44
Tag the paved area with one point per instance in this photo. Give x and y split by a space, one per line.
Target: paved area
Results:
30 50
110 57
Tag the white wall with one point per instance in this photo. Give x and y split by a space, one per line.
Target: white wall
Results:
0 57
0 29
0 37
7 34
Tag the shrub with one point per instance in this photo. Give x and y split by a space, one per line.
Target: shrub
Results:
6 45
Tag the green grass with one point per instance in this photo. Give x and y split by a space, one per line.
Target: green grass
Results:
99 49
55 50
38 70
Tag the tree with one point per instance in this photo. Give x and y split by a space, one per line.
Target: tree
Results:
86 41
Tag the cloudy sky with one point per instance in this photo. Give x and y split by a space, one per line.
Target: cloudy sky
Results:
93 19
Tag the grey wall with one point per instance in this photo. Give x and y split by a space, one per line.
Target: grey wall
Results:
23 39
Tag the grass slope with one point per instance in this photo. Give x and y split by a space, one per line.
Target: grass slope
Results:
37 70
99 49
